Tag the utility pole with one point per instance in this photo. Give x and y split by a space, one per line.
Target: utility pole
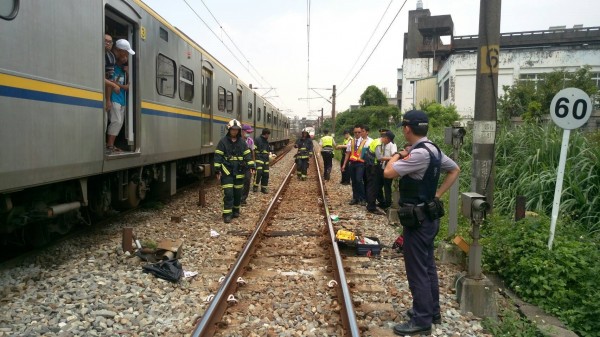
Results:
333 111
486 91
474 291
322 122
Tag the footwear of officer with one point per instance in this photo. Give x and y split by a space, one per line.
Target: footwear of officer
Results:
254 188
235 214
375 211
353 202
436 319
227 218
410 329
264 190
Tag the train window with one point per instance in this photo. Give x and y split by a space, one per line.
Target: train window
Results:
221 105
206 89
165 76
250 111
269 117
9 9
186 84
258 114
163 34
229 102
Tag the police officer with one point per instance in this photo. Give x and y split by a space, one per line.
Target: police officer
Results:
305 149
419 213
342 148
262 149
232 159
327 144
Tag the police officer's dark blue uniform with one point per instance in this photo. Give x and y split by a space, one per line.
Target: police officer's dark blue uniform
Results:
419 214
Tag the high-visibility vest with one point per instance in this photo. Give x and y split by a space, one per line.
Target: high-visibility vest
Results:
355 154
327 141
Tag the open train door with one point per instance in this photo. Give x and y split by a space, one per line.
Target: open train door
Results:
122 20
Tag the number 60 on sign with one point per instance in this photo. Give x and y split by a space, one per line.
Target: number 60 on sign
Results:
570 108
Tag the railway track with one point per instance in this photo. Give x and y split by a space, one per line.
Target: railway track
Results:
292 261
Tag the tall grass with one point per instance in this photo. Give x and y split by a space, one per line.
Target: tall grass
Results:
526 164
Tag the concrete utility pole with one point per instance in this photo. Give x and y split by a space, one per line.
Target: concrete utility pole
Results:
474 291
486 91
333 111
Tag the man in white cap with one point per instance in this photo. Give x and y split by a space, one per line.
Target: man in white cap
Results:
118 98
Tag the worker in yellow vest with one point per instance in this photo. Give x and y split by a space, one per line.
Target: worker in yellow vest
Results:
327 144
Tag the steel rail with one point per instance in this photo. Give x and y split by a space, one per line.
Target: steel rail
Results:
207 326
343 291
213 314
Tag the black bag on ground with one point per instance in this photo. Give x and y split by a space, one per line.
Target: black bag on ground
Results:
170 270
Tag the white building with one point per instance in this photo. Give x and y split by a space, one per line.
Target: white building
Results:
446 73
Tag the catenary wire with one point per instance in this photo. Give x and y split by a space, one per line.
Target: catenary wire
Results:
373 51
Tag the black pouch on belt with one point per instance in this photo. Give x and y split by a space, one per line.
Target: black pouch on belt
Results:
406 215
435 209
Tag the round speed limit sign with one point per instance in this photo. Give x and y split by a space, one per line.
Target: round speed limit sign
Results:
571 108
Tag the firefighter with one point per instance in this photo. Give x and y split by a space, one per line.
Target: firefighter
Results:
261 150
305 149
232 159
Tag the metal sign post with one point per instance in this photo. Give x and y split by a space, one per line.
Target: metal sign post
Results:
570 109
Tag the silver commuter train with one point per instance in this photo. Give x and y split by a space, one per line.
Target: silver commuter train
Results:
54 171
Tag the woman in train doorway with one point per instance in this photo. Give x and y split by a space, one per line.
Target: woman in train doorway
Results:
232 159
305 150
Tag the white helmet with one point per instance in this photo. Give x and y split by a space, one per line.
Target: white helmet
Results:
234 124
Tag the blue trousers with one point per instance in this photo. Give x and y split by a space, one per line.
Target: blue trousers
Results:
357 173
421 271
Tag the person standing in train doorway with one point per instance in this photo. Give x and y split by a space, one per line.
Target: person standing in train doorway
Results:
232 159
118 98
305 150
419 214
327 144
262 149
246 131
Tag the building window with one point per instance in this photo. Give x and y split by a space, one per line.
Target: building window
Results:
229 102
186 84
596 98
165 76
249 111
221 98
446 89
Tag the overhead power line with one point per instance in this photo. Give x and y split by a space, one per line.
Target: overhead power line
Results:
374 48
368 41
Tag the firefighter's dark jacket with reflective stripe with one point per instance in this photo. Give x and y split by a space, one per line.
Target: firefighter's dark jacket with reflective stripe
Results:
305 147
233 157
262 149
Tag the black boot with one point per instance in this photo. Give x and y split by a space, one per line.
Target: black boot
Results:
227 218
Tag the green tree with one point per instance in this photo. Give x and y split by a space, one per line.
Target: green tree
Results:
439 115
372 96
531 100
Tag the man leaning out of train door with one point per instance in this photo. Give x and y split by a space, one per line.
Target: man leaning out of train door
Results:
232 159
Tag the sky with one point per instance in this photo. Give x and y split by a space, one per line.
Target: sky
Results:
296 58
